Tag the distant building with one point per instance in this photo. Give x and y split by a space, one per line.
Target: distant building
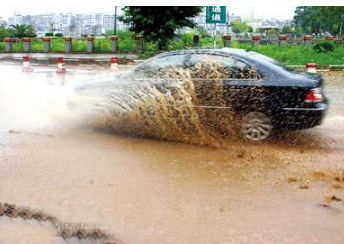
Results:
68 23
255 24
232 17
2 22
63 23
16 20
258 23
101 23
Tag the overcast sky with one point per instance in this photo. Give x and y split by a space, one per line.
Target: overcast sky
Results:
107 6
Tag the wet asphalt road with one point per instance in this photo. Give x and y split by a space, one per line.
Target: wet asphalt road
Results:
146 191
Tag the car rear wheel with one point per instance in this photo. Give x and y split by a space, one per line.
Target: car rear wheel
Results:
256 126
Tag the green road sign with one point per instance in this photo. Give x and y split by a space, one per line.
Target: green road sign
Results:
216 14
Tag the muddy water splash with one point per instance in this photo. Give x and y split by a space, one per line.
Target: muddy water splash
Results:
171 104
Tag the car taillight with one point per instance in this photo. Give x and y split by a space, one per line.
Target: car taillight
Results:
314 95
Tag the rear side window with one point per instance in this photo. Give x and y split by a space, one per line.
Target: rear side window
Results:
161 66
168 61
228 66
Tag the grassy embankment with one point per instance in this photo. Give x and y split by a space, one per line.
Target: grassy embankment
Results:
290 55
298 55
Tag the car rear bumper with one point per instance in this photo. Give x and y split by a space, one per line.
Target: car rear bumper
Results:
300 118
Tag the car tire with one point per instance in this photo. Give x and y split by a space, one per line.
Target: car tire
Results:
255 126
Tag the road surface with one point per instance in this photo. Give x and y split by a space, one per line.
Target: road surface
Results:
149 191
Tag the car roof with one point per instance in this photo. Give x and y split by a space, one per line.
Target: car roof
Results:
239 53
233 51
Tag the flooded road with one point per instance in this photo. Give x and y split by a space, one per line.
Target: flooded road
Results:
150 191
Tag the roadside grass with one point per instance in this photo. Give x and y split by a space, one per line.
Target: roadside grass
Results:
126 42
57 44
18 47
102 45
297 55
37 45
289 55
186 41
79 45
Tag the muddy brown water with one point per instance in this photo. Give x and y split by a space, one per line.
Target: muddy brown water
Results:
153 191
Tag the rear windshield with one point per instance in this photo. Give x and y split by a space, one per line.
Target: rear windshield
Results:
261 58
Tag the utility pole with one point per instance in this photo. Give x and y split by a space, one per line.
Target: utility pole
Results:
227 23
215 35
341 26
115 22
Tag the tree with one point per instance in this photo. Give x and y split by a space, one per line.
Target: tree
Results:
319 19
287 29
239 27
298 31
202 31
4 33
30 32
159 23
23 31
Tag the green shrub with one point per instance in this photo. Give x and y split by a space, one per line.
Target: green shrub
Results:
18 47
324 47
296 54
175 44
49 34
187 38
57 44
102 45
59 35
126 41
79 45
37 45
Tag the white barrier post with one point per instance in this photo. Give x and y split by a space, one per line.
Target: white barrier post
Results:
307 40
139 42
256 41
8 44
47 44
114 44
227 40
68 44
311 68
26 64
90 44
282 40
114 63
27 44
60 65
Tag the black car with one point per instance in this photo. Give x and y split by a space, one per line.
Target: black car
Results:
263 94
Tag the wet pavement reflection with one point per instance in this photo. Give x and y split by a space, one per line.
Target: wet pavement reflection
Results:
151 191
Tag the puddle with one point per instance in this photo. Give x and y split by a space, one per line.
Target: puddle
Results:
155 191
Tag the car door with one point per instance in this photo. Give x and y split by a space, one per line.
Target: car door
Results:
222 81
243 89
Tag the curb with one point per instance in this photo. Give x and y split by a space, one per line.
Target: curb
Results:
70 60
320 67
107 60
